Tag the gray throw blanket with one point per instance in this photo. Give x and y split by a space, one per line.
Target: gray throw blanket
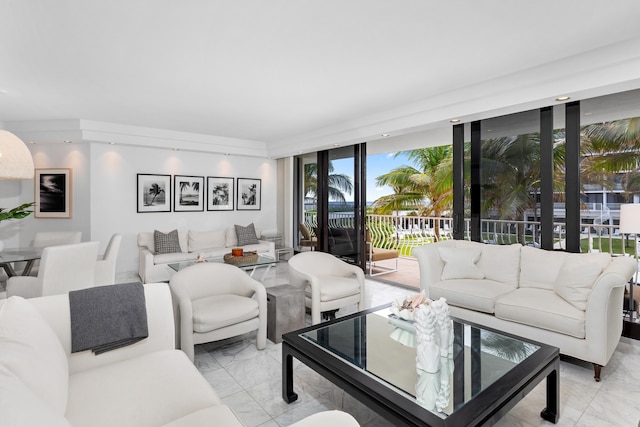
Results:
105 318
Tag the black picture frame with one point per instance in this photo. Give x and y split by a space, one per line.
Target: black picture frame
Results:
154 193
188 193
220 193
249 194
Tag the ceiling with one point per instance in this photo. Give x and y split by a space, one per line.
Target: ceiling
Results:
282 76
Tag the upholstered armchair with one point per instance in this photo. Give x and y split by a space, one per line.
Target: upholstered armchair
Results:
215 301
62 269
106 264
329 283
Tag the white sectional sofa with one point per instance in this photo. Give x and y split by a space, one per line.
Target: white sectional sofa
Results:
571 301
149 383
154 267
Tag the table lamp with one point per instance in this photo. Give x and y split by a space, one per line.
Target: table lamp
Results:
630 224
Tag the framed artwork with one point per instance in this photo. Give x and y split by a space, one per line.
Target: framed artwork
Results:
188 193
52 193
154 193
219 193
249 194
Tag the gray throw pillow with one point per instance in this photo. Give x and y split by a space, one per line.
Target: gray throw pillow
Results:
246 235
166 243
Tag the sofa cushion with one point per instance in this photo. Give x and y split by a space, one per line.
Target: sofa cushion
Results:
575 280
332 287
501 263
474 294
217 311
166 243
20 407
200 240
539 268
174 257
543 309
31 350
246 235
460 263
150 390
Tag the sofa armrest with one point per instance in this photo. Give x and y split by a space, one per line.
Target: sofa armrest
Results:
145 263
430 265
272 248
603 323
55 310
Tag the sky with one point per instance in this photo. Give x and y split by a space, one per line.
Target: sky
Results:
377 164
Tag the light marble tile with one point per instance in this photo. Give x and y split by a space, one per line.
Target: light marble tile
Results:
260 369
222 382
246 409
204 360
270 423
269 396
311 381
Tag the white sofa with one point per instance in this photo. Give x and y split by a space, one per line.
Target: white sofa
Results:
154 267
571 301
149 383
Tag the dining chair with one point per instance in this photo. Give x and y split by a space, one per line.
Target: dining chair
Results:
63 268
43 239
215 301
329 283
106 264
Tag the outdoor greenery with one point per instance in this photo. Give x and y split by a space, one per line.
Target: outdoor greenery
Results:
339 183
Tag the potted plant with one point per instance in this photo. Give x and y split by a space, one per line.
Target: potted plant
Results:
19 212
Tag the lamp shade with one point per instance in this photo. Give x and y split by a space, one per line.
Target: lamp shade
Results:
630 218
15 157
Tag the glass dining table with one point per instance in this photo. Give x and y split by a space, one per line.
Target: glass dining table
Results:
27 254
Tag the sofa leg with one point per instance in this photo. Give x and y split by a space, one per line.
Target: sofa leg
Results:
596 371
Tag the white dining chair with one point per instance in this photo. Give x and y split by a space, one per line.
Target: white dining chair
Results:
106 264
63 268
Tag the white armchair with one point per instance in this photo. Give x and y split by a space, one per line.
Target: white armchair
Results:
63 268
217 301
106 264
328 283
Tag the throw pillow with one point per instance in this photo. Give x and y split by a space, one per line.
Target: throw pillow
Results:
575 280
246 235
166 243
199 240
31 350
460 263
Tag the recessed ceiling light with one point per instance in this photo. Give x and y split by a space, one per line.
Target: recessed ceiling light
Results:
336 145
176 149
563 98
588 114
385 135
112 143
455 120
32 142
67 141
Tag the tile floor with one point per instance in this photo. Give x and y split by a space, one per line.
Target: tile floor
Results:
249 380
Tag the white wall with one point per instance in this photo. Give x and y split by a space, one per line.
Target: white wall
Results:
113 196
105 194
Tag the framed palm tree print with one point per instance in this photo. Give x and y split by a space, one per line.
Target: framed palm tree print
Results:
154 193
188 193
219 193
249 194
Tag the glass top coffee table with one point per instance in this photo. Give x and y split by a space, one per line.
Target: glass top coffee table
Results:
372 356
262 262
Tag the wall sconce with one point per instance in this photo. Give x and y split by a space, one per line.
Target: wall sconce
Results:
15 157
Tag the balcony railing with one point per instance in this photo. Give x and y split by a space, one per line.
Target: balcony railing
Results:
404 233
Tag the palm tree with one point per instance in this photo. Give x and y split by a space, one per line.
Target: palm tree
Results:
155 189
339 183
426 187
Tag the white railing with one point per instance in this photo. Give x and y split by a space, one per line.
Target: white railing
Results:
406 232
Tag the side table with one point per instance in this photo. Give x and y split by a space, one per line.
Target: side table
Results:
285 311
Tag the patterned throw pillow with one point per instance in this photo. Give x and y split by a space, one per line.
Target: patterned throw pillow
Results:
166 243
246 235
